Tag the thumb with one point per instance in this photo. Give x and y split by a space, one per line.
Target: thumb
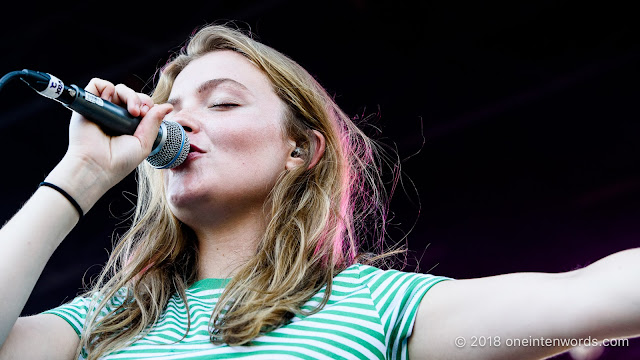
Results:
148 128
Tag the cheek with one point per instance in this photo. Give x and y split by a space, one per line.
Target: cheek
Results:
259 154
251 141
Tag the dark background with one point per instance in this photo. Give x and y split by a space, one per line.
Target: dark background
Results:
517 121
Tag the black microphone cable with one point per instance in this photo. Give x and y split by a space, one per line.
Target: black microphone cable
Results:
8 77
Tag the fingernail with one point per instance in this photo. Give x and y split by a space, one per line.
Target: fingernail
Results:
144 109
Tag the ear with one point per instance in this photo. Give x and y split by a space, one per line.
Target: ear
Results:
293 161
317 150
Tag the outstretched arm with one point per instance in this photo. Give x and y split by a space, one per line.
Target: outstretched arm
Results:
526 315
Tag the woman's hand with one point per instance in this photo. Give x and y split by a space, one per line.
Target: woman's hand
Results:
95 162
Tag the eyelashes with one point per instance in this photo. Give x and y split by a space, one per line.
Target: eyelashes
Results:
224 105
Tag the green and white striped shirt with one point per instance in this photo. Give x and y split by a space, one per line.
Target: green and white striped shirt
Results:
370 315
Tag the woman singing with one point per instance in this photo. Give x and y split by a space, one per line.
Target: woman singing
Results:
251 247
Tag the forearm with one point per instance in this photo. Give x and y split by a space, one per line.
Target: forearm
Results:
28 240
613 283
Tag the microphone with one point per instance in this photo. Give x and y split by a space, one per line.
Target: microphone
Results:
170 147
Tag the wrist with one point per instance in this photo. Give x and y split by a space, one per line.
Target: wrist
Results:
81 179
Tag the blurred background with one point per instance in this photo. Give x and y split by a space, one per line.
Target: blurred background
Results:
516 123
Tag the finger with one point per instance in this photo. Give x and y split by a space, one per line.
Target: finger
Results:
148 128
125 95
101 88
146 103
138 104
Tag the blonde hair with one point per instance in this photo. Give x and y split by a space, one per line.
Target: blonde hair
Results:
316 218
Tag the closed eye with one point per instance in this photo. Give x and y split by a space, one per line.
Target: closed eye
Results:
224 105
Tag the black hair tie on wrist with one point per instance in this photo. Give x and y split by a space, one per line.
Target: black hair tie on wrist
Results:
65 194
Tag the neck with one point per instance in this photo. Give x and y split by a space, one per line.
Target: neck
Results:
225 246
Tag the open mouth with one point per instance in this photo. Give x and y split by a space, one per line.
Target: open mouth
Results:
194 148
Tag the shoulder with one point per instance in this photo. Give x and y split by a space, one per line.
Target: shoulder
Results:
77 311
381 281
390 291
393 297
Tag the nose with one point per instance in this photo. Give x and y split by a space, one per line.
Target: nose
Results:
186 120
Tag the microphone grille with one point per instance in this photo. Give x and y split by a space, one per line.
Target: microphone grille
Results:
175 149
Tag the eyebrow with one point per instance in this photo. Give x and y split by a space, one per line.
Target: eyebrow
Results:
211 84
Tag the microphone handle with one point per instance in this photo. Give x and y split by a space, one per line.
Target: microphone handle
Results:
114 120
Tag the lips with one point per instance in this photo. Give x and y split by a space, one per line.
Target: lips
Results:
195 149
194 152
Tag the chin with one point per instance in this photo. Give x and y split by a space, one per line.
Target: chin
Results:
182 209
181 190
183 200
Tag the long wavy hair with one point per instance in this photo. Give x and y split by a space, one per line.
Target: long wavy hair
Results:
316 218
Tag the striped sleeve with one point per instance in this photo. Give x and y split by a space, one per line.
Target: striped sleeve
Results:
73 312
76 311
396 295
